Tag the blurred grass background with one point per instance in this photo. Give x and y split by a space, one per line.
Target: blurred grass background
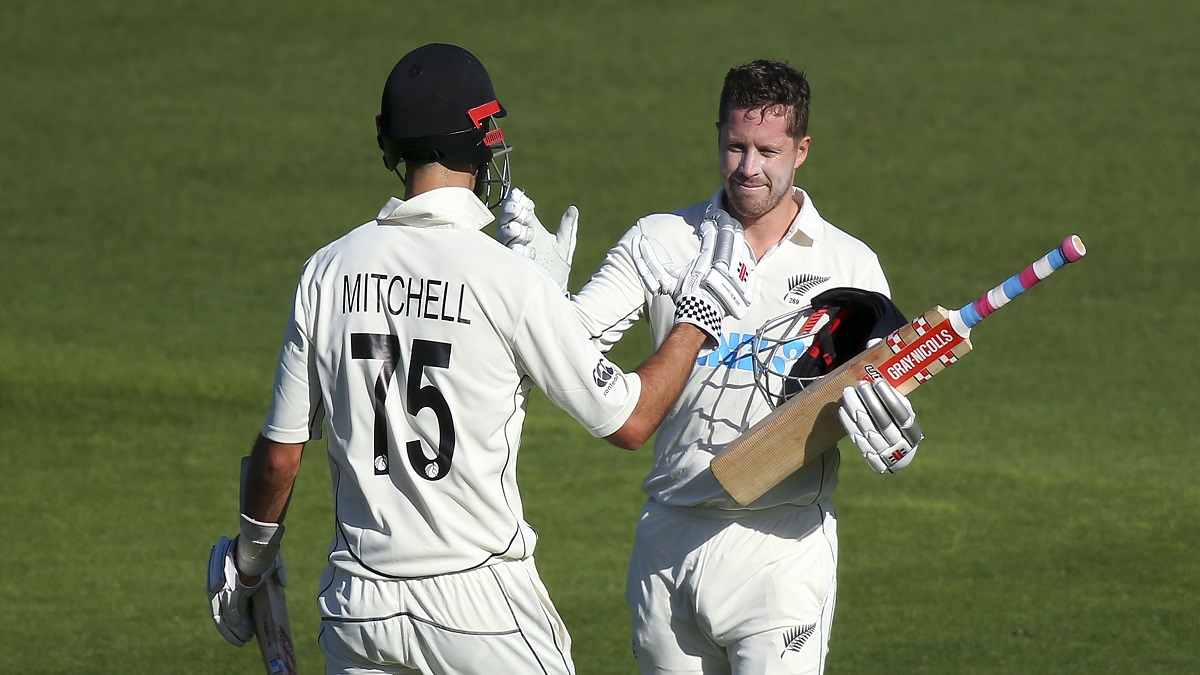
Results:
167 166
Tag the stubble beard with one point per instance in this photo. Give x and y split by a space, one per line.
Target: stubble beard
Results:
752 208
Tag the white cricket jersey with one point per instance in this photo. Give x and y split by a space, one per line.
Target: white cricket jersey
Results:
419 337
720 400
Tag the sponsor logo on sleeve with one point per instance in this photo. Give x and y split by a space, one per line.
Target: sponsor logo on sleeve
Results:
603 374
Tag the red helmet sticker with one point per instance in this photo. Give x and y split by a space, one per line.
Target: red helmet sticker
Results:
493 137
479 113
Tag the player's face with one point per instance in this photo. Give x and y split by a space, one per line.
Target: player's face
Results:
758 162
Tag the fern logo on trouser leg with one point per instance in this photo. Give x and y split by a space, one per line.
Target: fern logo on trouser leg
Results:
795 638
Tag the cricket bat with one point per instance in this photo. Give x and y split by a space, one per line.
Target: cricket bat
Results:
807 425
268 610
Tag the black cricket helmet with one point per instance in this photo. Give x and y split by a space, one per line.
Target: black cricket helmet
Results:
795 349
439 102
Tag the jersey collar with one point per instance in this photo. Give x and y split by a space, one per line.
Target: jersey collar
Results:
448 207
807 222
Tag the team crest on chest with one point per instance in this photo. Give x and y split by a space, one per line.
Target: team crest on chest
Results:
800 285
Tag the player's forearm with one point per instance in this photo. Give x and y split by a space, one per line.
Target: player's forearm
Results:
273 470
663 376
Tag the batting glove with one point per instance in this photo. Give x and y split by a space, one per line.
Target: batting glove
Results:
520 230
881 422
719 282
229 597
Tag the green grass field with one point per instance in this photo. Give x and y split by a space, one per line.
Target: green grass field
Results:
167 166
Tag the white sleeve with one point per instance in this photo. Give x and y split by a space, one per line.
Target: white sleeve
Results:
563 362
614 298
296 411
873 279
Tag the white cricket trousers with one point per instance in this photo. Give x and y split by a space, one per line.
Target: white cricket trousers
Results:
733 592
495 619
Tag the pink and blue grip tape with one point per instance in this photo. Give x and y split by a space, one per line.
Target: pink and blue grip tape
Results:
1069 251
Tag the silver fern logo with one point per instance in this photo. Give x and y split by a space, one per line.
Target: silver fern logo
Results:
794 638
800 285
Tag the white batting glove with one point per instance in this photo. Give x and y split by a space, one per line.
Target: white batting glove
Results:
881 422
720 281
229 597
520 230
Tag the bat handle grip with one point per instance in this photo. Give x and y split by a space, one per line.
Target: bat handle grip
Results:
1069 251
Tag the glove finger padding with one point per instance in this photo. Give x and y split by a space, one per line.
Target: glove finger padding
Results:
653 262
900 410
228 596
733 277
648 259
695 272
280 571
515 212
881 423
693 302
568 230
520 230
719 282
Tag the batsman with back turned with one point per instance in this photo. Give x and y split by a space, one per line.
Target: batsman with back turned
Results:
414 341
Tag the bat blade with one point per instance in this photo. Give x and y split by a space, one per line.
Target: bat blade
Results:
807 424
268 607
269 612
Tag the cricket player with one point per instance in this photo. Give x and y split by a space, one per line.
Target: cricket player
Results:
714 587
415 339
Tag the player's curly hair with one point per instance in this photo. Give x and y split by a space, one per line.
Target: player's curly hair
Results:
764 85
